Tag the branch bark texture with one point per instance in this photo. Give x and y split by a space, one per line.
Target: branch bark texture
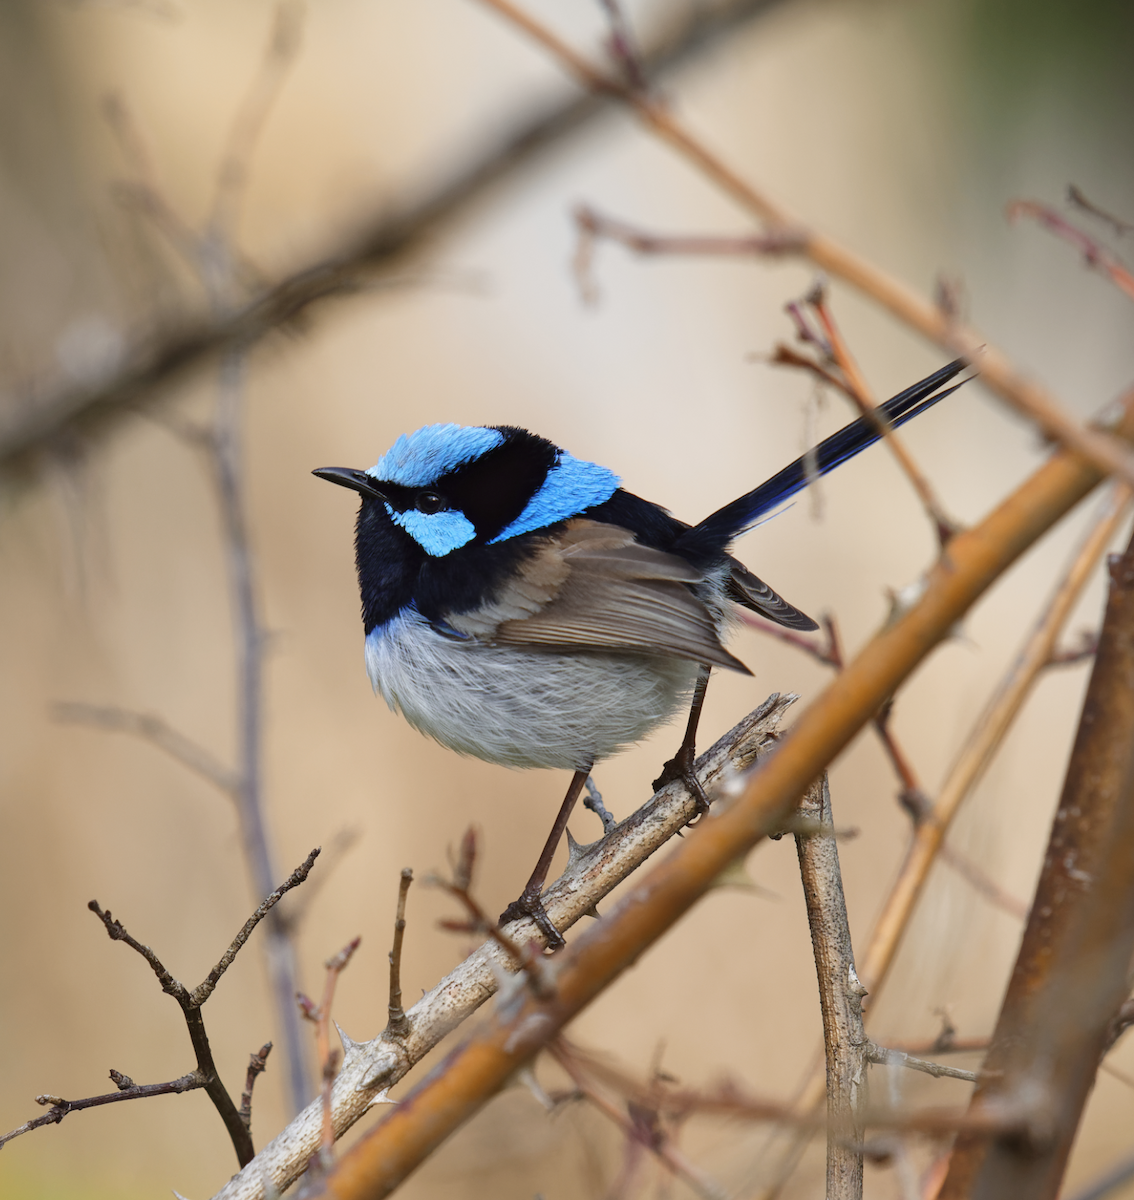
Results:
840 994
1071 974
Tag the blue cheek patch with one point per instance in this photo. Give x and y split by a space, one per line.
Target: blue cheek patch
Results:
570 487
420 458
436 533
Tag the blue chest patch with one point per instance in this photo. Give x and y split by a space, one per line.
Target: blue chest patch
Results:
436 533
571 486
420 458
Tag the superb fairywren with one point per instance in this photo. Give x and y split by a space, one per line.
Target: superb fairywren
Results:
521 607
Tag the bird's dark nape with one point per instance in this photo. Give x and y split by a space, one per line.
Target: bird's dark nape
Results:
719 528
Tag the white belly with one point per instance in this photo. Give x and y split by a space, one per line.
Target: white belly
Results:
522 708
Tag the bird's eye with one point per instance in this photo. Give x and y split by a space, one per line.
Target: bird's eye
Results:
428 502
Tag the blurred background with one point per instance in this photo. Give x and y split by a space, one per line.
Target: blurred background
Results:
902 129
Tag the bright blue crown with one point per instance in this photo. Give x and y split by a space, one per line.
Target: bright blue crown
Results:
420 458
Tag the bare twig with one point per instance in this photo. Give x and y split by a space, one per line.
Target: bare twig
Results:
887 1056
386 245
328 1057
158 733
526 957
370 1068
398 1026
840 996
59 1108
1108 454
257 1065
637 1132
1120 227
1094 255
236 1121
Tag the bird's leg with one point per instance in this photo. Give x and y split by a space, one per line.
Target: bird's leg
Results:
529 903
680 766
595 804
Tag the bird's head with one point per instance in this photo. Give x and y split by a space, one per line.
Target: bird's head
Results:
449 486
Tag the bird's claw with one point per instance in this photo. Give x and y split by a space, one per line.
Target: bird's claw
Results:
532 906
680 766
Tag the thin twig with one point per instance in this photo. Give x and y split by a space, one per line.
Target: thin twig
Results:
1094 254
59 1108
205 1076
328 1057
257 1065
158 733
397 1025
887 1056
1120 227
635 1132
527 956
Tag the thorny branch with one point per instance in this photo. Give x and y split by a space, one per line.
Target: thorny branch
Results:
238 1122
257 1065
370 1068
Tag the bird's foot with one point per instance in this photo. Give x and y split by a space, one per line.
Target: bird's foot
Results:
529 904
680 766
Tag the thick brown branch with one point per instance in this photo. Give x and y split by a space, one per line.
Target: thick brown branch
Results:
1071 974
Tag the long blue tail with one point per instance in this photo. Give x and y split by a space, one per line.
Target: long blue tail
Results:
732 520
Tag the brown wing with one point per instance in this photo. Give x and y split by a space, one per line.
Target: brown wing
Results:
751 591
593 587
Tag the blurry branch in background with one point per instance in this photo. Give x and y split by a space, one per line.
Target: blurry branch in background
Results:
238 1121
94 407
328 1058
788 234
370 1068
1072 973
932 820
212 256
1094 254
526 1024
641 1120
158 733
1119 227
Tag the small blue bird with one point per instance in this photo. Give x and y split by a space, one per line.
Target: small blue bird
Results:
521 607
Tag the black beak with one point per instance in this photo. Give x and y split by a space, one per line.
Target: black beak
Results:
357 481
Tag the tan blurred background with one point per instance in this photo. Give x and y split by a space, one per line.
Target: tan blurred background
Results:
902 129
